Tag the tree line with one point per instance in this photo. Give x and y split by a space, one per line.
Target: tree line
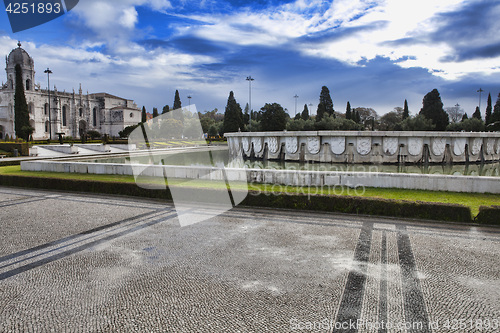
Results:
273 117
432 117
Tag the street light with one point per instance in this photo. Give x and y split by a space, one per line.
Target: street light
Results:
480 91
189 106
250 79
48 72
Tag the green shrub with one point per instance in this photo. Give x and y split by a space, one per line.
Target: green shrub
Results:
93 134
361 205
488 215
22 147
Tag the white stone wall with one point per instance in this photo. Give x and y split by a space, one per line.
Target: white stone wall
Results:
368 146
356 180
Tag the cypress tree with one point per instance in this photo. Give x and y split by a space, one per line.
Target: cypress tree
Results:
325 106
144 117
177 105
155 115
246 114
23 128
406 111
477 113
233 115
348 113
495 117
432 108
357 117
305 113
489 108
166 109
465 117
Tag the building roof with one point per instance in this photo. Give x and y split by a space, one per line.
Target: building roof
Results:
124 107
109 96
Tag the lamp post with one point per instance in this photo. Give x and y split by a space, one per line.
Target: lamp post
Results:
48 72
296 97
189 106
250 79
480 91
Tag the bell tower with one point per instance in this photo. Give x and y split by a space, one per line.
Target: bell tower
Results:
20 57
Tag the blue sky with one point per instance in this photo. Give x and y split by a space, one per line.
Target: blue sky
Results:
373 53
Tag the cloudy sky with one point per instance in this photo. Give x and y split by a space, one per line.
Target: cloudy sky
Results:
373 53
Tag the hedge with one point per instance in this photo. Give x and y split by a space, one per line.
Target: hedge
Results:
22 148
9 163
488 215
361 205
330 203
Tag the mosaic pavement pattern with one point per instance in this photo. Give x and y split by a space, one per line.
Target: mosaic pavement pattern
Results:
90 263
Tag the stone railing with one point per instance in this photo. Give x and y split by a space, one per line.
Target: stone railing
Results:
367 146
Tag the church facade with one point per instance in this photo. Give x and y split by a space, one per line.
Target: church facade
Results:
71 113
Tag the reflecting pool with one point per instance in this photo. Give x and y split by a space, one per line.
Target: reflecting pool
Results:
220 157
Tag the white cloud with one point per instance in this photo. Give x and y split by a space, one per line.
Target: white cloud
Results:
108 19
379 23
128 18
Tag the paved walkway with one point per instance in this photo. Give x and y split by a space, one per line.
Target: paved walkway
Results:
82 263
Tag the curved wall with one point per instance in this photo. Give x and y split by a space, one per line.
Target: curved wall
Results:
368 146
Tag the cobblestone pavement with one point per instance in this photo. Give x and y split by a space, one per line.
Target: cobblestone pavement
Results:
90 263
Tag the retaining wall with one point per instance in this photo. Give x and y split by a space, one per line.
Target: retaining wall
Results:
368 146
469 184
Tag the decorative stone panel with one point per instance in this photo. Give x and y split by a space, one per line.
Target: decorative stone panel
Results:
390 145
273 144
438 146
313 144
257 144
415 146
291 145
476 146
364 146
490 146
459 146
337 145
246 144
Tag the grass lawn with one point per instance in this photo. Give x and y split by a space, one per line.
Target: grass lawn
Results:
472 200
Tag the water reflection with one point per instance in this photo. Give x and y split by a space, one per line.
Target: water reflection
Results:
220 157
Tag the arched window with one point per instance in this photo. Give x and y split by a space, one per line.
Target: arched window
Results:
64 116
81 112
47 126
31 108
46 109
94 117
28 84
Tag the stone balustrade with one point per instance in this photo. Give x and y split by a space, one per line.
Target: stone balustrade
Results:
372 147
